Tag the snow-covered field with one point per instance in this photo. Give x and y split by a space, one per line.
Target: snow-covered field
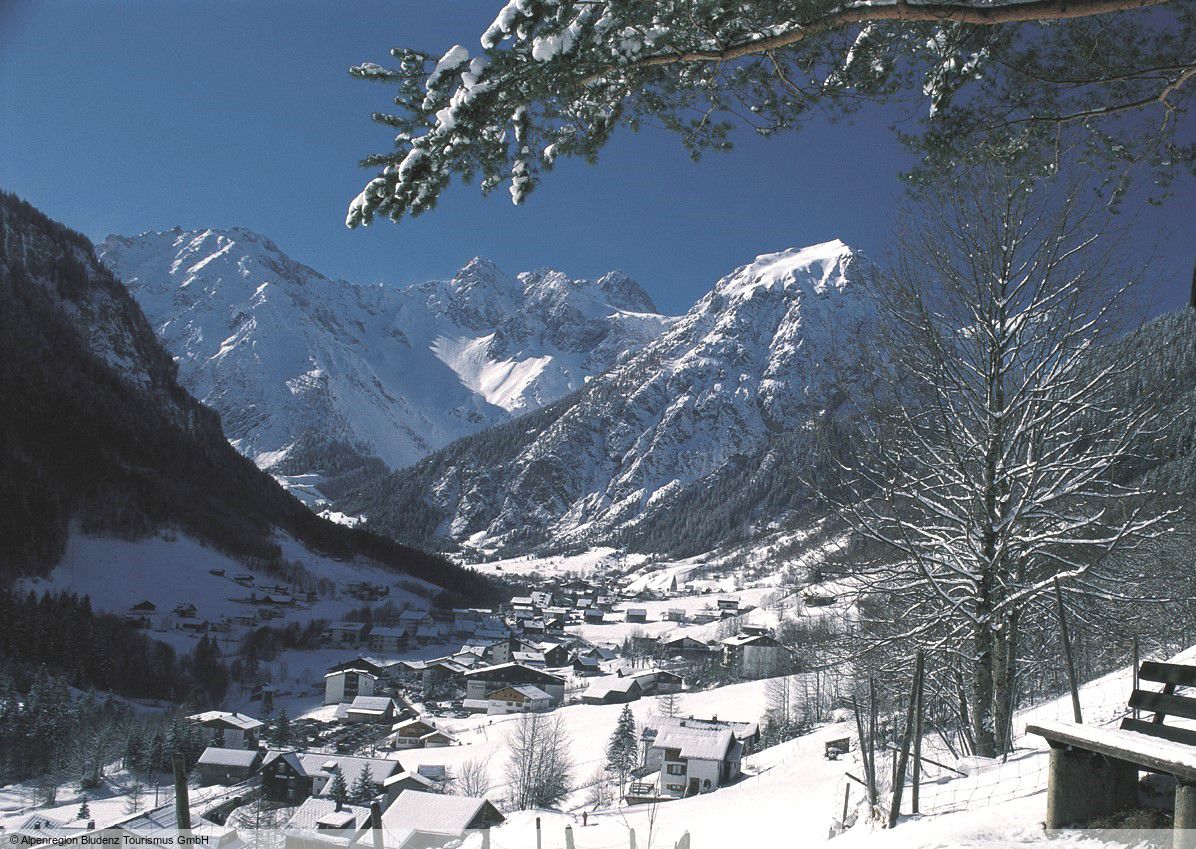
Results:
170 569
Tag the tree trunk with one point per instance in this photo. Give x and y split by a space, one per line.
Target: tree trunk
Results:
983 722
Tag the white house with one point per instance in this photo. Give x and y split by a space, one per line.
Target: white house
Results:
694 760
519 698
344 685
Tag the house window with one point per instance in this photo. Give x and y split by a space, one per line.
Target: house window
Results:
675 769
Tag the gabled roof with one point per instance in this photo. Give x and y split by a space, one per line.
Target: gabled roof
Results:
216 756
227 719
397 633
601 687
350 767
438 813
750 640
346 626
371 704
495 672
698 743
316 812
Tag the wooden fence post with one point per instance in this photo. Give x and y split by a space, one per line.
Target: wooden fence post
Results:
921 686
1137 663
569 837
538 843
182 804
1071 667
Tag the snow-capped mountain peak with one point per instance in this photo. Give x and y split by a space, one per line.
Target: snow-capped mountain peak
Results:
281 350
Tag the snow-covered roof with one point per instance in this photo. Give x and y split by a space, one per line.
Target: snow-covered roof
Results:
317 812
371 704
742 730
216 756
349 767
415 777
697 743
750 639
226 718
436 813
601 687
530 691
397 633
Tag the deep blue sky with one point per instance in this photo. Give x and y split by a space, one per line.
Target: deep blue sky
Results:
128 115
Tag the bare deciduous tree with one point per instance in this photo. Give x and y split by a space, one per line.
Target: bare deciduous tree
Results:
539 768
993 468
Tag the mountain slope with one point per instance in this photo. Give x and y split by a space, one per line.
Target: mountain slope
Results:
708 429
96 431
283 352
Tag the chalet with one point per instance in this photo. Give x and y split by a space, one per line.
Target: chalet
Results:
437 739
144 608
593 615
657 681
137 620
554 654
345 685
429 632
409 734
320 823
586 665
533 627
228 766
316 772
387 640
228 730
346 633
819 600
273 599
244 579
160 827
686 647
411 619
694 760
676 614
434 819
186 610
612 690
728 606
754 655
403 781
371 709
479 683
747 733
198 626
637 614
518 698
284 779
753 630
529 658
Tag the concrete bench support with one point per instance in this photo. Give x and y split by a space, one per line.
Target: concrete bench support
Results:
1084 785
1185 816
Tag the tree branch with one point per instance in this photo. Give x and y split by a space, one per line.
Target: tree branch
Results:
902 11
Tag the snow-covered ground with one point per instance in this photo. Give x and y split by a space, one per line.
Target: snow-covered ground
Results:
171 569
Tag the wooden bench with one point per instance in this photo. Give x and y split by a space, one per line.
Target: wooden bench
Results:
1094 770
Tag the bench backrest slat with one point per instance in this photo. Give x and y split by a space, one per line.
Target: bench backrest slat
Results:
1168 673
1163 732
1164 703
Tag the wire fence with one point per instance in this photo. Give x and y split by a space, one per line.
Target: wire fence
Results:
949 783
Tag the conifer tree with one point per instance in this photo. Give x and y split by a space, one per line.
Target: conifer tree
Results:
623 748
363 787
338 790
